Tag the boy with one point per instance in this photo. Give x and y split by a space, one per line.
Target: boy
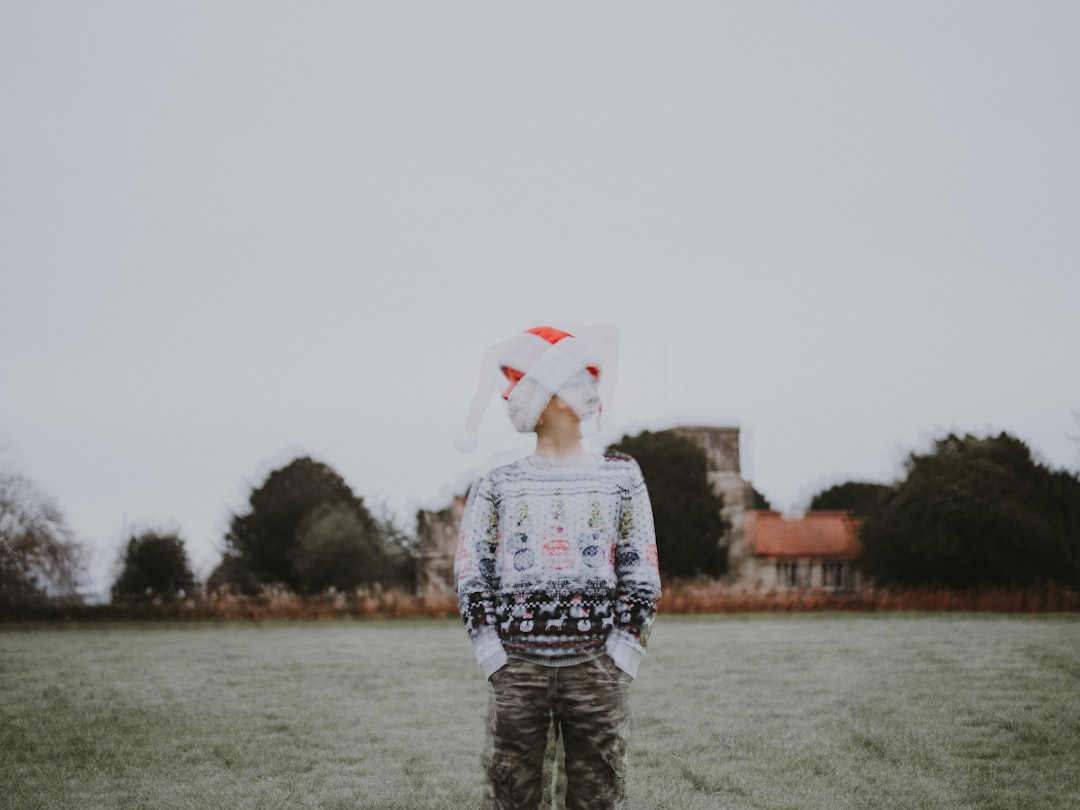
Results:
557 582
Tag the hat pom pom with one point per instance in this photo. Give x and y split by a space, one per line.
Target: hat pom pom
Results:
466 441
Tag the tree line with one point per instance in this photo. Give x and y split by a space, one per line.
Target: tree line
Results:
305 530
973 511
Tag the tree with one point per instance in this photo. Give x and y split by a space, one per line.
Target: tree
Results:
976 511
335 548
38 552
858 497
307 530
154 564
400 547
686 511
755 500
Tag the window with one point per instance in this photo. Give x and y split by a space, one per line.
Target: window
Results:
832 575
787 574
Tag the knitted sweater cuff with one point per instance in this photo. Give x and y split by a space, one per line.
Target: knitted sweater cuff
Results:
625 652
490 654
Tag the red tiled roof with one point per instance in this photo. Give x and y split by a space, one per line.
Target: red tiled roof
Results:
830 535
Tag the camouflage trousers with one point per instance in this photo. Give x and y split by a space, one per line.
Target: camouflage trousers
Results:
585 708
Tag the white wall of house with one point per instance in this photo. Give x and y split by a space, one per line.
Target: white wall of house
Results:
801 574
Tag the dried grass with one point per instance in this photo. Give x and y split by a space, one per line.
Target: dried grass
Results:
375 602
706 596
681 597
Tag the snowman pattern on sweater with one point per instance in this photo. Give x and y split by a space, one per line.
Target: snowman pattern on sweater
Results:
555 559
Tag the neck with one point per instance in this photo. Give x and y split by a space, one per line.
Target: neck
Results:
559 442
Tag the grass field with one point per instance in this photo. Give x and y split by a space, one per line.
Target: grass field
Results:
779 711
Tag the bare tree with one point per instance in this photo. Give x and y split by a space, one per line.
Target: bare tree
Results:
38 552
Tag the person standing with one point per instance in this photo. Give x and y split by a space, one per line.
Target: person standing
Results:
557 581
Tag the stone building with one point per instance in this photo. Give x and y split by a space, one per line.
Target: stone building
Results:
721 446
438 533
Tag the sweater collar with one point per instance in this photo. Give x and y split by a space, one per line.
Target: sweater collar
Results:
582 461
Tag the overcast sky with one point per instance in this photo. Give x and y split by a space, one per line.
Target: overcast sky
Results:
232 233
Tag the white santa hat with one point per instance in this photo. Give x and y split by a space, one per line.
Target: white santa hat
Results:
540 363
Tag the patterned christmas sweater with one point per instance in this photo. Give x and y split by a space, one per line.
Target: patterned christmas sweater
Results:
556 562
